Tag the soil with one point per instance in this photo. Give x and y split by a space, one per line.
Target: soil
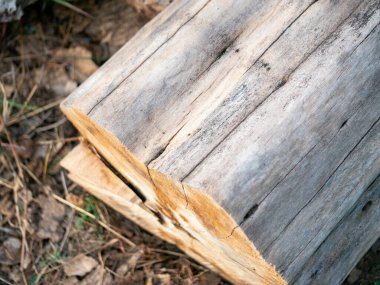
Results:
43 58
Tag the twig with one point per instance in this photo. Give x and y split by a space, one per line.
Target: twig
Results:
71 214
67 203
33 113
67 232
5 281
167 252
31 174
200 267
74 8
51 126
153 262
6 184
64 140
5 101
22 229
46 162
63 180
111 242
31 94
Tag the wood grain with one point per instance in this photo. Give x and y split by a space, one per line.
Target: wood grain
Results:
178 213
347 243
271 108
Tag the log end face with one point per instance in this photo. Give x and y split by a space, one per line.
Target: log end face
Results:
176 212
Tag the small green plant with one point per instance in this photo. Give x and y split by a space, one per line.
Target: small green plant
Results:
46 262
34 279
50 259
91 207
14 104
55 161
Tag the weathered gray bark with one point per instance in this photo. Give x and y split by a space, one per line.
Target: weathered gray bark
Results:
270 107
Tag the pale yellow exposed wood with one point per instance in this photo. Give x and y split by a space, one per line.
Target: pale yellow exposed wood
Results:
188 218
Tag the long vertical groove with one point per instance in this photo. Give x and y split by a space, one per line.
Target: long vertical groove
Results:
96 105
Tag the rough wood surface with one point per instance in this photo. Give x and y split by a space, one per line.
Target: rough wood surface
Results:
347 243
273 112
190 218
173 211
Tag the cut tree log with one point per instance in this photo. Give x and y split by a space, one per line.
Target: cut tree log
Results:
242 129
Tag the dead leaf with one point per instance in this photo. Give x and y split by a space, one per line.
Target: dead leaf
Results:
10 251
184 268
56 80
51 217
71 281
209 278
12 246
15 276
149 8
24 198
80 62
77 200
163 279
115 23
99 276
79 265
131 262
26 147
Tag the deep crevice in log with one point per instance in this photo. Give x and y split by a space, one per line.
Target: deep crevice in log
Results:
192 213
117 173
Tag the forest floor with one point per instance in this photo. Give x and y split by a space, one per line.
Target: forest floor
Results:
43 58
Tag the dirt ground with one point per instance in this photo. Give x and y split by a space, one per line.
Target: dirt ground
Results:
43 58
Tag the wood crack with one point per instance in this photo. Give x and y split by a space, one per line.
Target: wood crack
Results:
265 250
250 213
107 164
96 105
162 150
281 34
281 84
365 38
347 214
184 192
232 232
218 57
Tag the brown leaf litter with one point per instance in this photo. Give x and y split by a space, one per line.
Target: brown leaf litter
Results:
79 265
43 58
